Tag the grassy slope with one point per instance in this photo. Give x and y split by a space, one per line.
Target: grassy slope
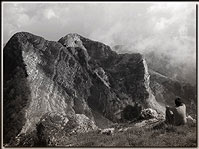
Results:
166 136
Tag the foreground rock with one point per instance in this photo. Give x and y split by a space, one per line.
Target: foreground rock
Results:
53 129
107 131
149 113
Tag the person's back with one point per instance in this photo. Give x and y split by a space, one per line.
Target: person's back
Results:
180 115
176 115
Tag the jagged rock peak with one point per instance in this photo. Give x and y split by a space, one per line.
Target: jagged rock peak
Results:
74 37
71 40
25 35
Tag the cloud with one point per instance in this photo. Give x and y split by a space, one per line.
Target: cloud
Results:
121 22
50 14
166 28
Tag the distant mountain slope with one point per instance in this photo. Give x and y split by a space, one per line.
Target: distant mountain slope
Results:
166 90
163 63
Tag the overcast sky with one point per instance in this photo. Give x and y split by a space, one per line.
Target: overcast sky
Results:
166 27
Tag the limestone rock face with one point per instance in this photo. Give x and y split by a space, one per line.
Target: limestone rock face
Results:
168 80
115 77
70 78
54 81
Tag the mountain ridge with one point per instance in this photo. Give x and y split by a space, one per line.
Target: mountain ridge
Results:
71 77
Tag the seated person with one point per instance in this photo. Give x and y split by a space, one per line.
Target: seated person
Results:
176 115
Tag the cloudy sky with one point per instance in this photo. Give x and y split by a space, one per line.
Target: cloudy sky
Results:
165 27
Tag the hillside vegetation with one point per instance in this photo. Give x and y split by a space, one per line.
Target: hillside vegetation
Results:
165 136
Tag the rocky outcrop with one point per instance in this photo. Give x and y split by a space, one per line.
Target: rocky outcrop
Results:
72 78
115 77
56 82
53 129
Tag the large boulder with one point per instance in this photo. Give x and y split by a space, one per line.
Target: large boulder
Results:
54 129
148 113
